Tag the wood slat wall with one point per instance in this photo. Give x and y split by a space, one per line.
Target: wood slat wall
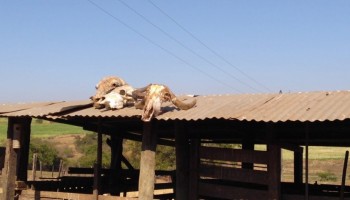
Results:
218 163
227 192
234 174
235 155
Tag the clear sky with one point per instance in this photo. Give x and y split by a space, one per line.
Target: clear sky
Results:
59 49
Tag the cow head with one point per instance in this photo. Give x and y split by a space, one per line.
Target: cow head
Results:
105 86
155 96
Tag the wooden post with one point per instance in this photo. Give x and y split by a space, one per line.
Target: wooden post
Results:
41 168
298 167
35 160
247 145
116 144
148 162
9 174
23 152
97 166
274 171
60 168
307 161
194 168
342 189
182 161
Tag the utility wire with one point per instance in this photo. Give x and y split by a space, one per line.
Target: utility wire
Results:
207 47
186 47
159 46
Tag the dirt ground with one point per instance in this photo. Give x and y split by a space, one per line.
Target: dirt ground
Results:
66 143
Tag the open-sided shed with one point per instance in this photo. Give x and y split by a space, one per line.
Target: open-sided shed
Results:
287 121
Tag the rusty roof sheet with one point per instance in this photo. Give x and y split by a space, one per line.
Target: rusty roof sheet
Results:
303 107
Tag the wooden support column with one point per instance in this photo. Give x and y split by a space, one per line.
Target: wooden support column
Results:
182 161
9 172
116 144
98 164
274 171
24 125
247 144
307 161
298 167
148 161
194 168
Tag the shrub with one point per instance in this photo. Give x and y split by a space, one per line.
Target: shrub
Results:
88 147
327 176
47 154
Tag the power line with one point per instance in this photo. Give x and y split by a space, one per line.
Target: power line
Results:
162 48
207 47
186 47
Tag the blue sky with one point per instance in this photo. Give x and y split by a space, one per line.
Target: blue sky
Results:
59 49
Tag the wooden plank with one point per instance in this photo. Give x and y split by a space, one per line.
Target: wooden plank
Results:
228 192
291 147
80 170
235 155
30 194
234 174
148 162
182 161
311 197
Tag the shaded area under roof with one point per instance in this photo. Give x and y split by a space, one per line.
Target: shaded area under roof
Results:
302 107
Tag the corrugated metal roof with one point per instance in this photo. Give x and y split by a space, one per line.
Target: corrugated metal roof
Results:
306 106
42 109
9 108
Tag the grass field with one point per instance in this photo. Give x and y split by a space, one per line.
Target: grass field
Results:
41 128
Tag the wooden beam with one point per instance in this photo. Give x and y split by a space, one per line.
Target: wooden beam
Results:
274 171
23 152
342 189
148 161
298 167
248 144
116 144
194 168
9 172
234 155
182 161
30 194
98 164
230 192
234 174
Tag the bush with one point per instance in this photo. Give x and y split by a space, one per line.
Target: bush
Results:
165 156
47 154
88 147
327 176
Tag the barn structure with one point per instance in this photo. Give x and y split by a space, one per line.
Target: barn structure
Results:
292 121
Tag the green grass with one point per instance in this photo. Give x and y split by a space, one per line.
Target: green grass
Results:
43 129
